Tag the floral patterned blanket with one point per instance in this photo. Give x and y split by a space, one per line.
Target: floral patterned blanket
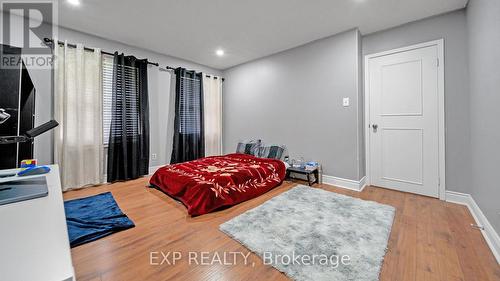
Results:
210 183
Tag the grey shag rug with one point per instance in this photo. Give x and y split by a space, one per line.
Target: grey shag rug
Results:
305 232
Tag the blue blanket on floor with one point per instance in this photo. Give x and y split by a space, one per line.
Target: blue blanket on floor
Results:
94 217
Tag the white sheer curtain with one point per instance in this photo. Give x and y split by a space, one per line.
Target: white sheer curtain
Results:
78 109
212 102
171 116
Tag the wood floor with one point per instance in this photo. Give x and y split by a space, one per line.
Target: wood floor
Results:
431 240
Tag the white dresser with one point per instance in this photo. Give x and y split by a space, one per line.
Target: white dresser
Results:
34 242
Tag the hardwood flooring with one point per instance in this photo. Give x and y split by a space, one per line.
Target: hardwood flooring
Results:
431 240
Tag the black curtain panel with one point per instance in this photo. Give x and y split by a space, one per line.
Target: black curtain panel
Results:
128 150
189 140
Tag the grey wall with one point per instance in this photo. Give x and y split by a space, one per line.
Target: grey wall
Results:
158 82
451 27
483 23
295 98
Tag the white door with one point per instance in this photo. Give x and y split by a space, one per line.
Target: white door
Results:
404 120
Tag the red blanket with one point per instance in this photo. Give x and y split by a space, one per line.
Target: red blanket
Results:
207 184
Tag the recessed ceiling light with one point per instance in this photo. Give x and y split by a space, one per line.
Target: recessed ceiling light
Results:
219 52
74 2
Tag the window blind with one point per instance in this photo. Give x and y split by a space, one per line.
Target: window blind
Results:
126 91
190 106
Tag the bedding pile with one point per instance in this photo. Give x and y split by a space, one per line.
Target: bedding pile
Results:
94 217
210 183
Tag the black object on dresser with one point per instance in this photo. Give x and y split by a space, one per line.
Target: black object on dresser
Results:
304 171
17 107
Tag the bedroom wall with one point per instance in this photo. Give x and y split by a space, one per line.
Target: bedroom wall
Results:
483 22
451 27
295 98
158 82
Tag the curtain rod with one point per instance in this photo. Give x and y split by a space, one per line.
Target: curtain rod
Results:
207 75
50 41
215 77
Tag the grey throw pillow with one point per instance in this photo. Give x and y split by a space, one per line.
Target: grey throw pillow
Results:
249 147
272 151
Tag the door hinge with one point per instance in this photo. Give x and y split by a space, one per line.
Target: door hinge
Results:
437 62
439 181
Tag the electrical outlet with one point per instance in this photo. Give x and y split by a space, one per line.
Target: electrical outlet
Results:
154 156
345 102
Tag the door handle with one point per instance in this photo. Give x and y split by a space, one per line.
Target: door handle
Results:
375 127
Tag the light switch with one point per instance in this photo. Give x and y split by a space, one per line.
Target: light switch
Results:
345 102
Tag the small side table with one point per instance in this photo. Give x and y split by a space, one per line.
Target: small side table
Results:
305 172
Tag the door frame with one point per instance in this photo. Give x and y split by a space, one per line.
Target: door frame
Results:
441 114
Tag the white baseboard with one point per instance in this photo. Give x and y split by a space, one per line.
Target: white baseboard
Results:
153 169
345 183
489 233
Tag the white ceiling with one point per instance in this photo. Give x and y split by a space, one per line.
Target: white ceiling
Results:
245 29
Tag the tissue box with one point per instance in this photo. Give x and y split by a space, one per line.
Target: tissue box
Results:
310 166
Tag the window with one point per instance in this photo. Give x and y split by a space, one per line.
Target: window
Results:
189 106
107 95
126 91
